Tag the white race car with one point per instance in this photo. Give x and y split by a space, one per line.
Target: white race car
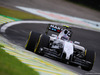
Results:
60 47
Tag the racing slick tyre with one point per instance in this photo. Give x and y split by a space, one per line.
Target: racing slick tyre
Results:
90 56
32 40
42 42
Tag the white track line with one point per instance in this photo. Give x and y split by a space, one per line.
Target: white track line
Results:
4 27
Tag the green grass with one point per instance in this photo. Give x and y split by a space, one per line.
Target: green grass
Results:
19 14
10 65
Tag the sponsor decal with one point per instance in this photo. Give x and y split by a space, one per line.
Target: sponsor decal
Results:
55 28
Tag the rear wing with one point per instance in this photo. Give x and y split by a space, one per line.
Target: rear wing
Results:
55 28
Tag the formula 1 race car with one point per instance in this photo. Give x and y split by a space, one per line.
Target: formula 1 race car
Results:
60 46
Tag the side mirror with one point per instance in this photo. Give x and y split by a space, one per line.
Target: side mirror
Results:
76 42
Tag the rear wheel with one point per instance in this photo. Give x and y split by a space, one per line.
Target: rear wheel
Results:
43 42
36 42
32 40
90 56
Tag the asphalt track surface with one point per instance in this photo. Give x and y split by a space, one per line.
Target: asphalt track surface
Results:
18 34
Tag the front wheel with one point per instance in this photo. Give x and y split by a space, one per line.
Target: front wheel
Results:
90 57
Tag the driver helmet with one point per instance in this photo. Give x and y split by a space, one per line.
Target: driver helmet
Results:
65 32
65 37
